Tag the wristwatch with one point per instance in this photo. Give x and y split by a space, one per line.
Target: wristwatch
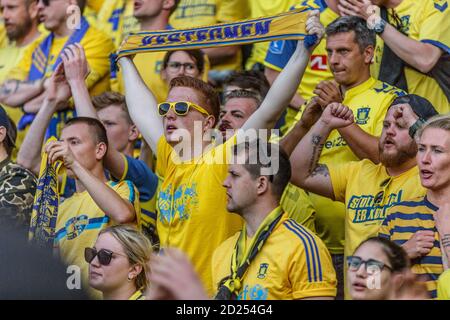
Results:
379 26
416 126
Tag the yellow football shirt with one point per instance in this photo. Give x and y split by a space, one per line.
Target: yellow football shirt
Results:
95 5
317 70
196 13
425 21
296 203
79 222
191 205
258 8
369 102
366 203
116 18
97 46
293 263
10 56
443 290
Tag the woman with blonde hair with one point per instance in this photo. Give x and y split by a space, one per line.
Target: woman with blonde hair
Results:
118 263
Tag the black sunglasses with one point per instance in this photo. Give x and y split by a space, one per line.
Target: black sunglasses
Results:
104 255
372 265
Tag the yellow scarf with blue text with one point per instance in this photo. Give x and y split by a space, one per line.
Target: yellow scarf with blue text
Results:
284 26
243 256
46 201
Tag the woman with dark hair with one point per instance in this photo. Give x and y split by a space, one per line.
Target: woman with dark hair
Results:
380 270
191 63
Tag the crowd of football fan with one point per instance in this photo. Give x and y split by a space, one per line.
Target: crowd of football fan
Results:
349 198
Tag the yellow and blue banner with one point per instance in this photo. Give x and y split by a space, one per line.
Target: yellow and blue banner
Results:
284 26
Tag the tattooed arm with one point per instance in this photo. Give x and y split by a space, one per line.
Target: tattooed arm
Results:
307 172
442 220
15 93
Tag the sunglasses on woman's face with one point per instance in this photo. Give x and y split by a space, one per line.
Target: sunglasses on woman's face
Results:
104 256
181 108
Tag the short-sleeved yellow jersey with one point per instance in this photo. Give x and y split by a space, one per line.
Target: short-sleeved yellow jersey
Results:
196 13
443 290
191 205
367 204
97 45
258 9
296 203
10 56
369 102
116 18
293 263
317 70
80 221
426 21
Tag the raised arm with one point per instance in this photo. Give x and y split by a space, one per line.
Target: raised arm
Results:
307 172
297 100
108 200
286 84
29 155
363 145
76 69
310 116
142 104
419 55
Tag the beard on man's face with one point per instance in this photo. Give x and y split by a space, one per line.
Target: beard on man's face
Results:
401 155
19 31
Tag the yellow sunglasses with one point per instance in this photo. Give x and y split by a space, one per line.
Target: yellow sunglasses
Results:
181 108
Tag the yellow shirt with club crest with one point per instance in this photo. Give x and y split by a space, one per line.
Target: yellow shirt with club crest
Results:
293 263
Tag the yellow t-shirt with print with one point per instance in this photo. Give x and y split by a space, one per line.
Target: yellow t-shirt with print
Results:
258 8
10 56
368 192
293 263
425 21
79 222
116 18
97 47
197 13
191 205
317 70
443 289
369 102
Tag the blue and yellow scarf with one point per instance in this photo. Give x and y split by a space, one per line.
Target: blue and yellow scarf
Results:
288 25
38 69
46 201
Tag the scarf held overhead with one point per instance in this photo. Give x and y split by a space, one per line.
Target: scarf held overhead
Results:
284 26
